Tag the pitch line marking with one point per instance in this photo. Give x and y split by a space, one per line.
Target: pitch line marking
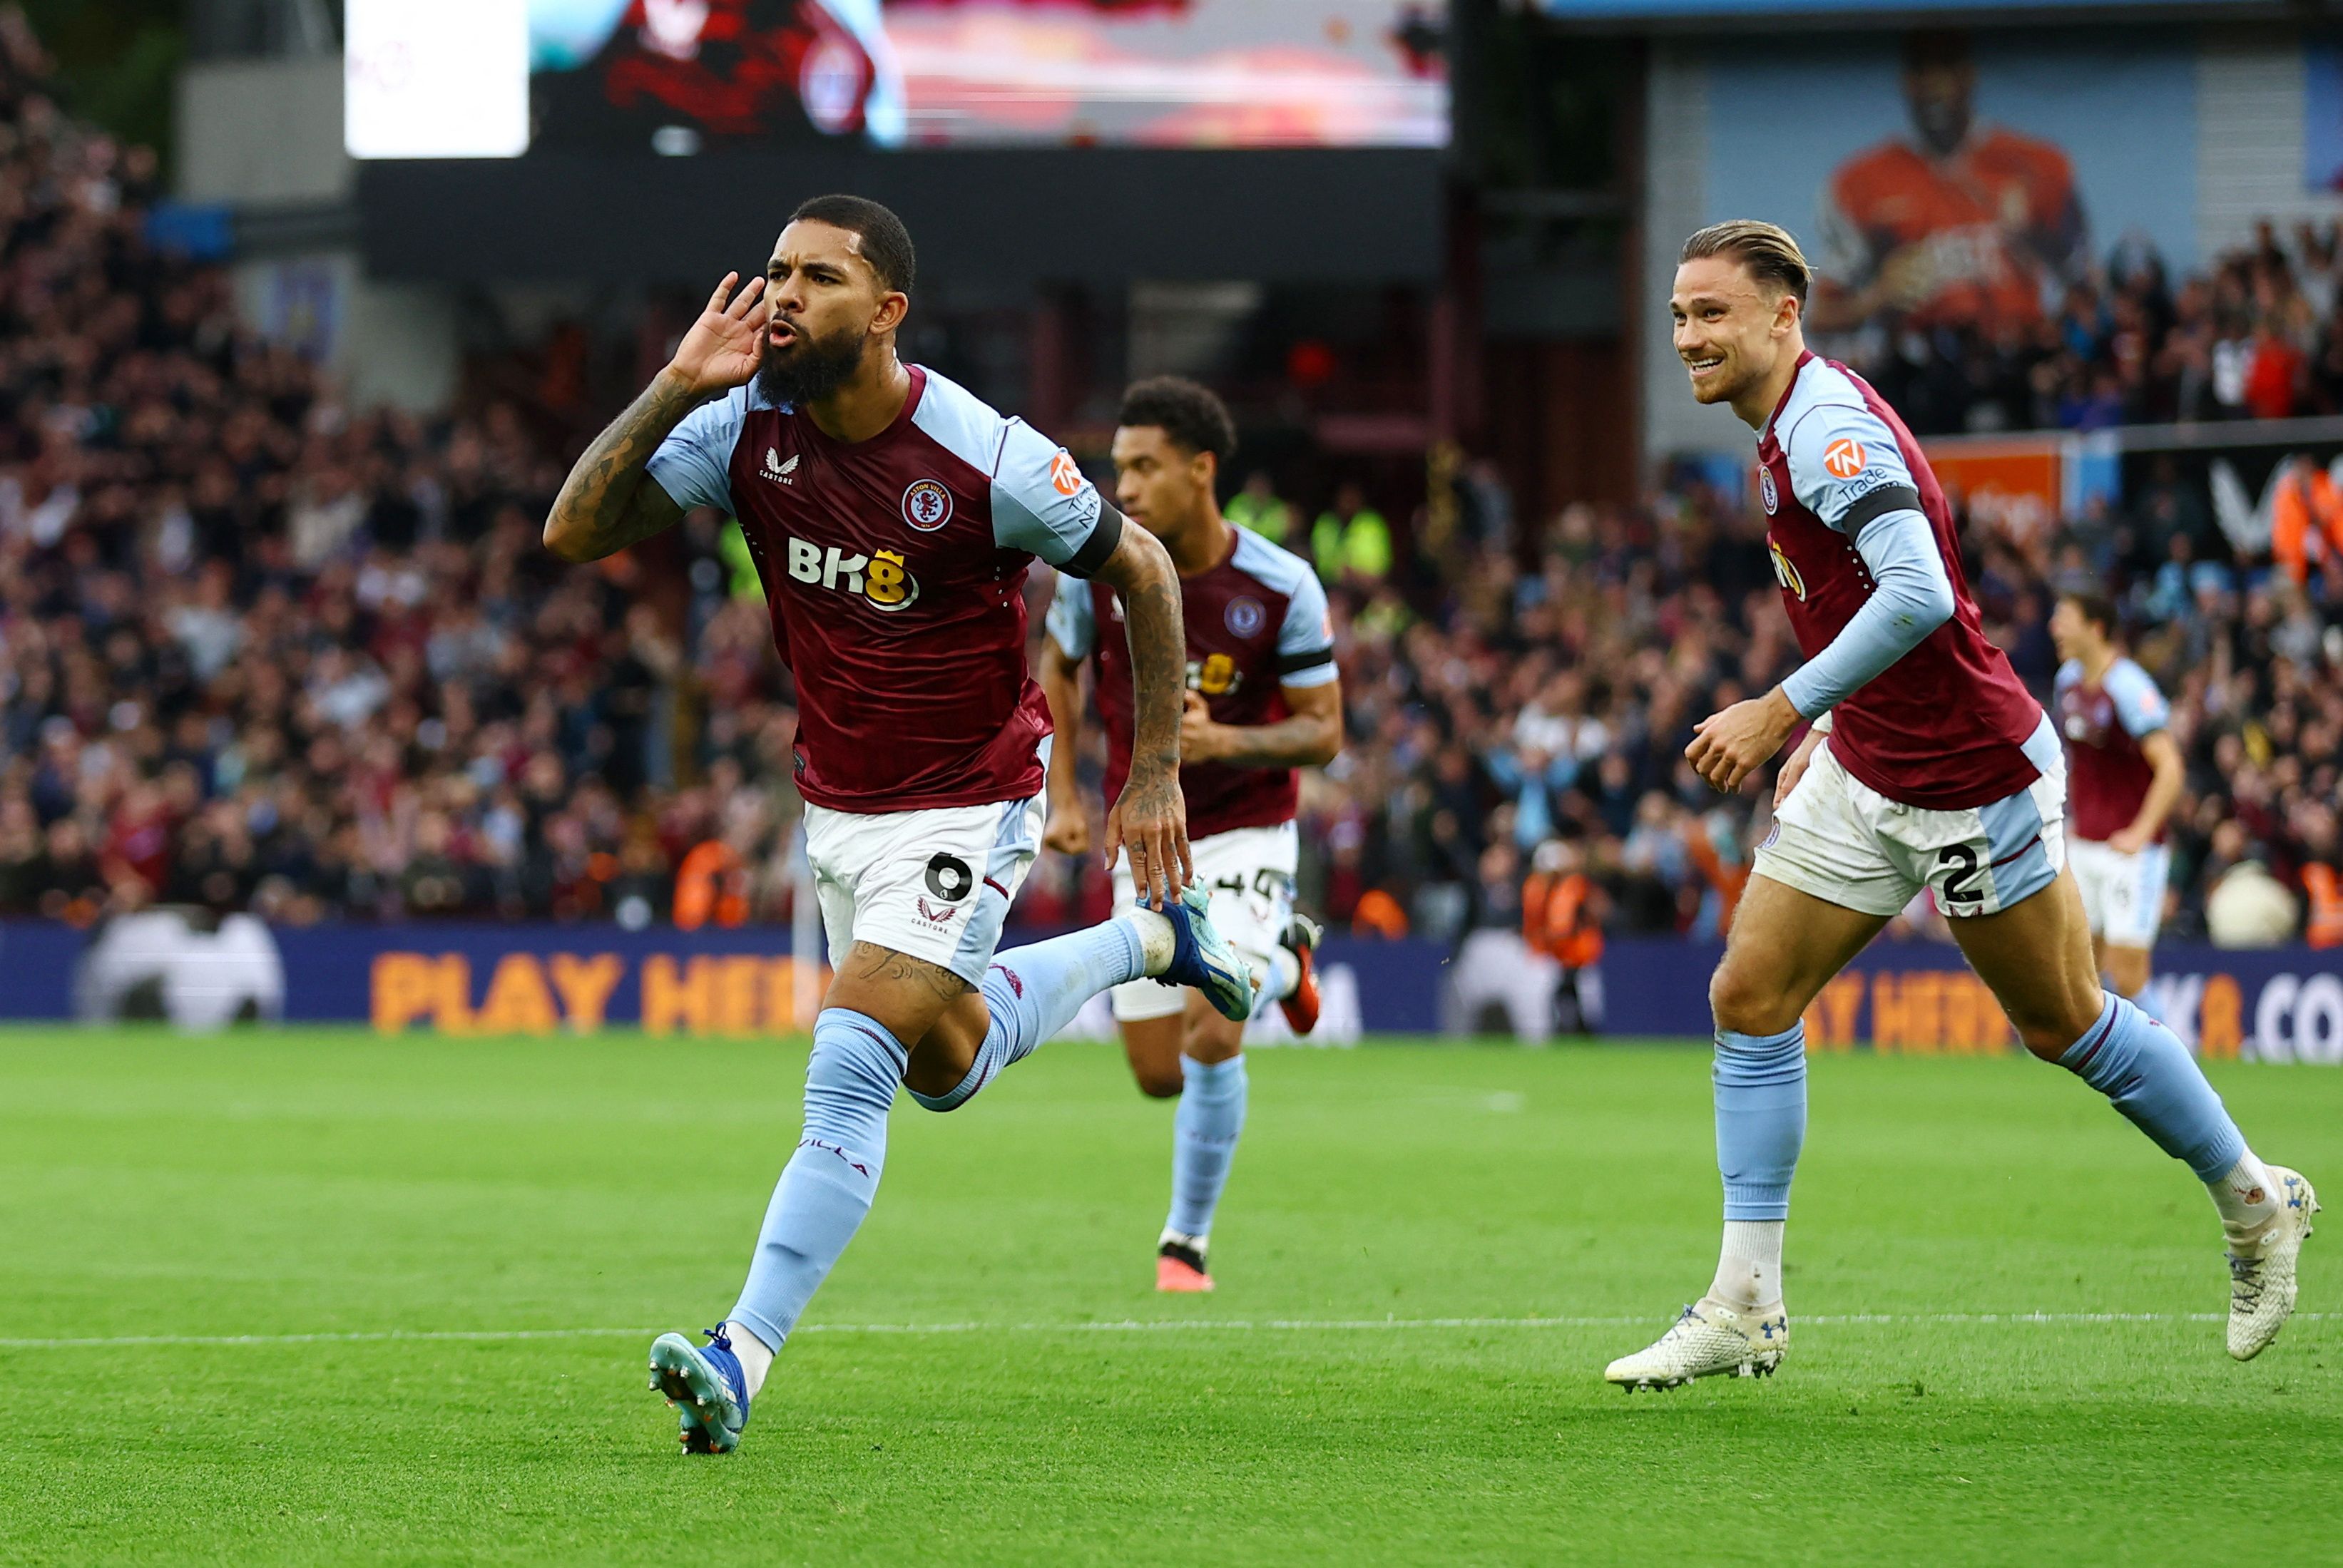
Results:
1126 1325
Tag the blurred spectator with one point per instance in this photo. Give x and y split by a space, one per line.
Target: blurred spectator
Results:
1350 542
1256 506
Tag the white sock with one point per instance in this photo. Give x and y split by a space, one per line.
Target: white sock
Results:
1156 937
1749 1270
1284 977
2247 1197
756 1356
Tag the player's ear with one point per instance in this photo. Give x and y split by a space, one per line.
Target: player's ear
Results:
1787 313
893 306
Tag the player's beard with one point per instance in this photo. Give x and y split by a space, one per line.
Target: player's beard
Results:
812 370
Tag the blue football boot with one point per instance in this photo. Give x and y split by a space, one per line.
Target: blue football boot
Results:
1201 957
706 1388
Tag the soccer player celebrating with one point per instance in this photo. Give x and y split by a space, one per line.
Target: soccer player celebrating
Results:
1927 765
1262 702
892 518
2125 770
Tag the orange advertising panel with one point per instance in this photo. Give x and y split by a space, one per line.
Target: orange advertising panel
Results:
2012 485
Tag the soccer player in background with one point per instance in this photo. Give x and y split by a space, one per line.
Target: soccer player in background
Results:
2124 771
1926 765
891 517
1262 702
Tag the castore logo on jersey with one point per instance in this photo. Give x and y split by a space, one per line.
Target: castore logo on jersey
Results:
775 469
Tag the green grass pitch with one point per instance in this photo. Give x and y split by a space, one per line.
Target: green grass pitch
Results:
239 1274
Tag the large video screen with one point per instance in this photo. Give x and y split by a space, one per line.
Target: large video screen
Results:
498 78
1730 10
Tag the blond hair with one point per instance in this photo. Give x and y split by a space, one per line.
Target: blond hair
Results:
1770 252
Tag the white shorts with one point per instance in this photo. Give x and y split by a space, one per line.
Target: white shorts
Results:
2122 894
1846 843
1249 871
935 885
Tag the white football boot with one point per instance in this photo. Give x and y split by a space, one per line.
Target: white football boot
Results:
1710 1340
2261 1270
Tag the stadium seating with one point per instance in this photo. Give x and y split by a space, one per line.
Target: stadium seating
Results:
260 651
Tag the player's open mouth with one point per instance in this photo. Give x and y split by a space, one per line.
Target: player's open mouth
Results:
1700 367
781 335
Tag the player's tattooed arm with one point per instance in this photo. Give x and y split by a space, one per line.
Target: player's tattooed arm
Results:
610 502
1152 818
1310 736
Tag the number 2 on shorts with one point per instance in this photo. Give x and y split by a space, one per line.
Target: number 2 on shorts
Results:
1962 862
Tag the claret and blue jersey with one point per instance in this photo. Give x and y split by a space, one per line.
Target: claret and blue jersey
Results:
1948 725
1256 624
895 570
2104 722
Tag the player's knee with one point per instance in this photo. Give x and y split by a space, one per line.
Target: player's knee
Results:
2049 1030
1746 1004
931 1076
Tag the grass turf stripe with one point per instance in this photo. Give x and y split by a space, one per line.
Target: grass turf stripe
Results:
1134 1325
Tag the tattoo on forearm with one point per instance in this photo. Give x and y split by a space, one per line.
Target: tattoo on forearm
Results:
1159 668
601 498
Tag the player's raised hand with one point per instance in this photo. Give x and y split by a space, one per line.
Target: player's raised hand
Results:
1150 821
1728 747
726 345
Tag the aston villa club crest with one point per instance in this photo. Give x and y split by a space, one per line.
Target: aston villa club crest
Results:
1765 491
1243 617
927 506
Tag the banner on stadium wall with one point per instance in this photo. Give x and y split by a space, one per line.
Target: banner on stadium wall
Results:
1907 998
479 980
1919 999
1958 180
1942 180
2025 484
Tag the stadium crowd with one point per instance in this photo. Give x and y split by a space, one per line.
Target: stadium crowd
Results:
2258 336
262 651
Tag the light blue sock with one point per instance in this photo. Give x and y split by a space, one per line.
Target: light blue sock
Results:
2148 1075
1280 972
1204 1140
1033 992
1761 1119
827 1186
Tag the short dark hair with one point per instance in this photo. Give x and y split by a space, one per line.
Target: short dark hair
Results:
2094 605
1769 251
1186 411
886 243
